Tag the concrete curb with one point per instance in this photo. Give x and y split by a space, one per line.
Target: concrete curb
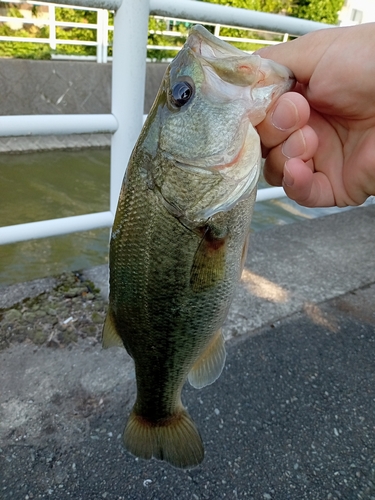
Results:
39 143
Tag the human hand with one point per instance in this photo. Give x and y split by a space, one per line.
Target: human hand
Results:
319 141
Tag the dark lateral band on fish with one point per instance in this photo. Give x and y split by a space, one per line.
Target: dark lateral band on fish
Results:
180 236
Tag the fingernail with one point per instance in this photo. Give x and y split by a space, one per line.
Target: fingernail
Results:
288 180
295 145
285 115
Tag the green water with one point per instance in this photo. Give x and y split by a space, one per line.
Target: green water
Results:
46 185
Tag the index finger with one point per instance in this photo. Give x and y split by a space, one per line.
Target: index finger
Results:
302 54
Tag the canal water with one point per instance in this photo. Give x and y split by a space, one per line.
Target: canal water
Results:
45 185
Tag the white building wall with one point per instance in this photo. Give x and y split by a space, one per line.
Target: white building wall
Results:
357 12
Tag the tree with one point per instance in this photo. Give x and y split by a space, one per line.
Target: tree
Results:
89 35
273 6
156 27
325 11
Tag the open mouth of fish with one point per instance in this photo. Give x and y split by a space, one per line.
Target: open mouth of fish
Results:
236 67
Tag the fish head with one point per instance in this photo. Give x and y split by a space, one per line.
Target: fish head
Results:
212 97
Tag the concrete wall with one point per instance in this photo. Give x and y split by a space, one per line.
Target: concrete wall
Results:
62 87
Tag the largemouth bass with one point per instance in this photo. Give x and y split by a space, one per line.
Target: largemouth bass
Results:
180 234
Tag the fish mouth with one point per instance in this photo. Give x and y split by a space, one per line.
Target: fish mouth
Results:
238 68
205 44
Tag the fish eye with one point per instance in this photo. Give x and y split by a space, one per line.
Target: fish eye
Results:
181 93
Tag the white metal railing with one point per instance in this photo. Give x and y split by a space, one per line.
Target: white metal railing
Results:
102 28
128 80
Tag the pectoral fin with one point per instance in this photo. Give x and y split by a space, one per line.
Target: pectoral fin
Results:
209 263
210 364
110 337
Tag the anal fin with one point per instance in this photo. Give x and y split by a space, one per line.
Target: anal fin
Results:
210 364
110 337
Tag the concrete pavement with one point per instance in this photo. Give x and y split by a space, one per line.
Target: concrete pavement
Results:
291 417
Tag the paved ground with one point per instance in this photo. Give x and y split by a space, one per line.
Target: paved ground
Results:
292 416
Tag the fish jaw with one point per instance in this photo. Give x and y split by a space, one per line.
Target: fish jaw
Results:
265 80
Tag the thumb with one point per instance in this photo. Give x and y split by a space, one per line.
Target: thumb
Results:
302 54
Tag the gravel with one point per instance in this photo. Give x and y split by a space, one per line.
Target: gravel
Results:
72 310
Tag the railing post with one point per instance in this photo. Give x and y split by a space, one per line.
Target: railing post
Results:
128 82
104 36
99 36
52 26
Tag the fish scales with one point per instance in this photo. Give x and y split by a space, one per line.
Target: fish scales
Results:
155 280
180 234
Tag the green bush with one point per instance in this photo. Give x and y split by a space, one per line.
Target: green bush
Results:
248 46
156 39
24 50
41 50
88 35
20 50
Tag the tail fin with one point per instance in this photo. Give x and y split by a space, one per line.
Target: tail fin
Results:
175 440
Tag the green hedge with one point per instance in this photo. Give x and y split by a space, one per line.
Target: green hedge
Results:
41 50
